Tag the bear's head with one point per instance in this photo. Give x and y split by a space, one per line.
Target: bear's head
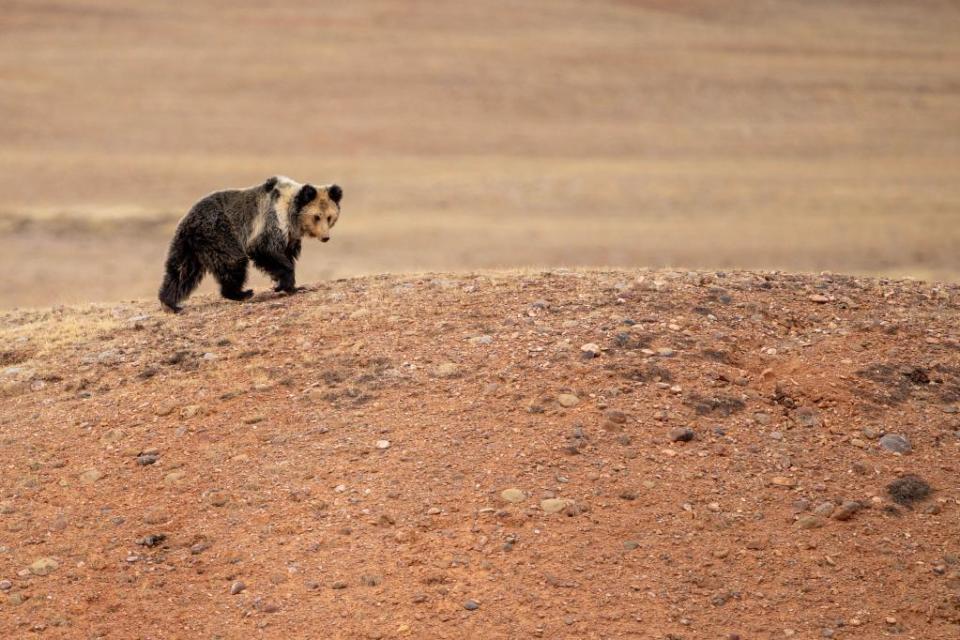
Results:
314 210
318 209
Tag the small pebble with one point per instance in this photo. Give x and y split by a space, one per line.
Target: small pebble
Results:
44 566
237 587
568 400
824 509
145 459
895 443
90 476
846 510
810 522
152 540
553 505
471 605
513 495
590 350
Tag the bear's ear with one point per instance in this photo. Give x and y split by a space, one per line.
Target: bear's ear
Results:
305 196
270 184
335 192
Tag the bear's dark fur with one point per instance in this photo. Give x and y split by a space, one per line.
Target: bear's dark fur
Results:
225 230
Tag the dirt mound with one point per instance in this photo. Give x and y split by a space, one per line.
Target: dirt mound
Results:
577 454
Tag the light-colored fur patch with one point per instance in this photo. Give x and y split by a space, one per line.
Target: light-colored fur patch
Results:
259 222
288 189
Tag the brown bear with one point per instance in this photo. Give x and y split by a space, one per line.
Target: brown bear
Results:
226 229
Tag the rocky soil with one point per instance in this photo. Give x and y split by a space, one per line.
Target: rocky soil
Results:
582 454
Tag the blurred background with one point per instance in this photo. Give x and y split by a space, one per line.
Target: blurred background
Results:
808 135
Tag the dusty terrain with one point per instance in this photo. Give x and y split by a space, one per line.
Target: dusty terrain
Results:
817 135
378 457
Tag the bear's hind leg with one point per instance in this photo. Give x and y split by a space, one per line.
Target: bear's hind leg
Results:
183 274
232 277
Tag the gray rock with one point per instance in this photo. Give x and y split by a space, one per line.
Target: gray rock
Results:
471 605
895 443
152 540
5 585
681 434
825 509
267 607
237 587
616 417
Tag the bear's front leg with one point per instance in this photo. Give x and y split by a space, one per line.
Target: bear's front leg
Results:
279 268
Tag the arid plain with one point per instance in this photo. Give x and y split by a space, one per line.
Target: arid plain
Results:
805 136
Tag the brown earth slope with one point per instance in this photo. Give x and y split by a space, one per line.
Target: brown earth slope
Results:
378 457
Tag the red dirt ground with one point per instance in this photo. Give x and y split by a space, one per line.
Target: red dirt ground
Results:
248 436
